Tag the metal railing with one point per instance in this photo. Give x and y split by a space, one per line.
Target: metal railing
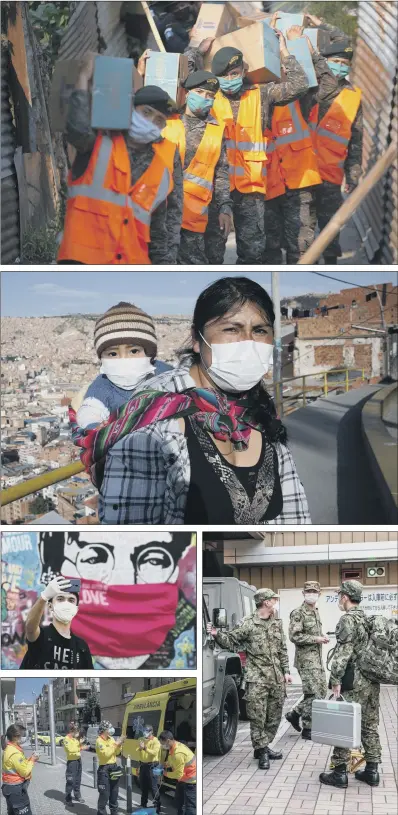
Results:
299 398
38 483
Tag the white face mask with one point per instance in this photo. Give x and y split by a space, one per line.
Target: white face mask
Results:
142 130
311 599
341 605
64 611
126 372
239 366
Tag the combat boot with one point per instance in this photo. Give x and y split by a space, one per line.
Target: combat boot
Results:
337 778
263 759
306 734
274 754
294 719
369 774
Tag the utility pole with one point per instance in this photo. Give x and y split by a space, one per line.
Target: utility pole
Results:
52 721
386 355
35 721
277 374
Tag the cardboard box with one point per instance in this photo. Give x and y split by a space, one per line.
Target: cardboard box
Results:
287 20
300 49
167 71
253 18
66 72
319 37
112 93
260 47
214 20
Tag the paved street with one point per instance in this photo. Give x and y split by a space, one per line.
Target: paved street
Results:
234 786
47 789
327 444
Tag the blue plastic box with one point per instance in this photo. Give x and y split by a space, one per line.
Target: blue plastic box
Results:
113 93
167 71
300 50
287 20
319 37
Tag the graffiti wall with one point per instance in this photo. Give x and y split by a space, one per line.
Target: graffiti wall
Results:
137 602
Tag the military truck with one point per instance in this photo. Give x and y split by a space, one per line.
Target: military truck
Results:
226 602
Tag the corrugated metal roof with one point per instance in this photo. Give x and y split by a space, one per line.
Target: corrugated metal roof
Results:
375 72
82 33
10 236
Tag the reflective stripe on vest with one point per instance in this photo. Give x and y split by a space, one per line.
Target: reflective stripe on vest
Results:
299 132
331 143
96 190
199 177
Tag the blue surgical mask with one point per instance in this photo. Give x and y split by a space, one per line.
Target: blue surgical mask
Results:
198 104
339 69
230 86
147 733
111 731
142 130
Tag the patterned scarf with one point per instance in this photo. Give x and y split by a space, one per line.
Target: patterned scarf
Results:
223 417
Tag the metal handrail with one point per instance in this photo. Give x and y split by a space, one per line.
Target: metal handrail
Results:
39 482
33 485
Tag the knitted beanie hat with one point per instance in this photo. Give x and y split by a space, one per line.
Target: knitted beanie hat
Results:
124 324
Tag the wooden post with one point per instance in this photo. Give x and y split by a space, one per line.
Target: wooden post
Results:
153 26
350 205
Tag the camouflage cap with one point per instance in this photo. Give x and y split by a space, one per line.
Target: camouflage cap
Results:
263 594
353 590
312 585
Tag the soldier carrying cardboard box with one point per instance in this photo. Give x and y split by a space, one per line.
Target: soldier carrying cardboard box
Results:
125 187
245 108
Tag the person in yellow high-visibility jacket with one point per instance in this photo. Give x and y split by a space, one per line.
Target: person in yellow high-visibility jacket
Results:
181 765
73 745
16 771
109 771
149 755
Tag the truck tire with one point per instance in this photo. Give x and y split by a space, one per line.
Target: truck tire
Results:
219 734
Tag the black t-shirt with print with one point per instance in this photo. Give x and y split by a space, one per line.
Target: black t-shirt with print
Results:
52 651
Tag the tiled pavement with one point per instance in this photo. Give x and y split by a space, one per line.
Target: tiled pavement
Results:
47 791
234 786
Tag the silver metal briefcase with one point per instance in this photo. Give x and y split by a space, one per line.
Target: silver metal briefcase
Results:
337 723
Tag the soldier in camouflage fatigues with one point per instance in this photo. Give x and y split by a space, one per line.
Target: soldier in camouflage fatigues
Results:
262 637
248 208
305 631
351 638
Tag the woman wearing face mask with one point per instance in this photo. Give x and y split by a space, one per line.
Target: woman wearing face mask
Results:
121 184
246 109
203 445
109 771
16 771
126 344
337 133
202 146
54 646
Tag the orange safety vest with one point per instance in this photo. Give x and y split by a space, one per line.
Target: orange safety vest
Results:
292 160
175 132
199 175
107 220
331 136
245 142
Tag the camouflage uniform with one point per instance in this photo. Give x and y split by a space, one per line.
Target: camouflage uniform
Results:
328 196
248 208
351 637
166 219
290 219
194 245
266 663
305 625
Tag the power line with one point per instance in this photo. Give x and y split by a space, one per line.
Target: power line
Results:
351 284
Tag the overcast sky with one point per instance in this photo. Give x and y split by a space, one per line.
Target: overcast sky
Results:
36 294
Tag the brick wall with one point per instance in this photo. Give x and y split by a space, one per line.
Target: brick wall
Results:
363 357
329 356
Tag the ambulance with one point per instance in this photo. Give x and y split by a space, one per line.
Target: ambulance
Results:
168 707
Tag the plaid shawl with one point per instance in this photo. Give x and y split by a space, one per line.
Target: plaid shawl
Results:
225 418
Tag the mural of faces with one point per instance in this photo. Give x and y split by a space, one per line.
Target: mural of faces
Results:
116 558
